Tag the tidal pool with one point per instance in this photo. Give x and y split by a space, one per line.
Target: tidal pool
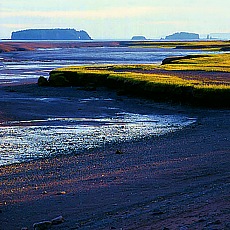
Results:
28 140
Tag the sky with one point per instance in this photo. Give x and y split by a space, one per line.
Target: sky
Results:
117 19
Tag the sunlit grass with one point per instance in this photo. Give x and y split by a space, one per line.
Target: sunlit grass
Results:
201 45
212 62
158 81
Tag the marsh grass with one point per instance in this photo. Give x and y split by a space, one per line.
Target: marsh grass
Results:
212 62
143 81
200 45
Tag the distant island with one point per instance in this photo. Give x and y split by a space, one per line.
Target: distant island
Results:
50 34
183 36
139 38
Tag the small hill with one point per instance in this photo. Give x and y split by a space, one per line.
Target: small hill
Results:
139 38
183 36
50 34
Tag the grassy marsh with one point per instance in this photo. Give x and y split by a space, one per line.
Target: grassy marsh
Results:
201 45
211 62
185 80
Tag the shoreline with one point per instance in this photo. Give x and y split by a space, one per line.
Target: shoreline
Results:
190 82
172 181
29 45
82 107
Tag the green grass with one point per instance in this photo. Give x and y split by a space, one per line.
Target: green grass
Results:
143 80
212 62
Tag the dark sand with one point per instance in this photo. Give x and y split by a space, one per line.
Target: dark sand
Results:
177 180
9 46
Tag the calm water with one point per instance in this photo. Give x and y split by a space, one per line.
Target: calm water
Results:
74 135
20 66
31 139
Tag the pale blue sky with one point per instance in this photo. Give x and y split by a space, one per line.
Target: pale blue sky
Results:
118 19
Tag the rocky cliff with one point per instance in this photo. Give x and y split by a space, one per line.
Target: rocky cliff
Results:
50 34
183 36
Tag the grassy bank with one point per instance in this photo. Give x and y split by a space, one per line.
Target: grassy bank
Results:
197 45
173 81
211 62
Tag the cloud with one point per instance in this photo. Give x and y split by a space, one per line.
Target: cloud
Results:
106 13
114 12
169 22
16 26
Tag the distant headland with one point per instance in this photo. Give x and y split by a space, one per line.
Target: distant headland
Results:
139 37
183 36
50 34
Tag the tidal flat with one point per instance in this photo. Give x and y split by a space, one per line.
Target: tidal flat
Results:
40 122
176 180
180 179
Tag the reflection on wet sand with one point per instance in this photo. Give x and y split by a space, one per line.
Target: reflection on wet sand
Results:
27 140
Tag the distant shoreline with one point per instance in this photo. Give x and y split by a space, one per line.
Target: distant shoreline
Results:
12 45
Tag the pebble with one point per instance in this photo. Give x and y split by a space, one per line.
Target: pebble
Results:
44 225
202 220
227 226
183 228
217 222
157 212
57 220
119 152
61 193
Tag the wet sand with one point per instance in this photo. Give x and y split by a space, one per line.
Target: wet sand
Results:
177 180
9 46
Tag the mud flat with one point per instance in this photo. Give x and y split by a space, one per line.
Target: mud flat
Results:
177 180
10 45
